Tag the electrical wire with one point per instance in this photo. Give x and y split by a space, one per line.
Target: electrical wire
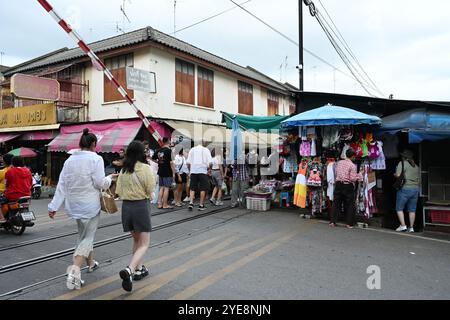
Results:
347 47
297 44
209 18
342 55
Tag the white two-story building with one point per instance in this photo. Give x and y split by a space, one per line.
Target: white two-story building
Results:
192 86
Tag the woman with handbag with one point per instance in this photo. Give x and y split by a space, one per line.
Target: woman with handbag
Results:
135 185
407 175
79 187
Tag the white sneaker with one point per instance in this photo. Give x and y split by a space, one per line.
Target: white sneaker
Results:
402 229
187 199
411 230
219 203
73 280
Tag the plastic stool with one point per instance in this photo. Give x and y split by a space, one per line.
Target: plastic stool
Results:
285 196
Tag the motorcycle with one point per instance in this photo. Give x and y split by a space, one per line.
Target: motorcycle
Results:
36 189
18 216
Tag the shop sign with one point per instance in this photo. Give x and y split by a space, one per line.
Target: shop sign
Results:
141 80
35 88
36 115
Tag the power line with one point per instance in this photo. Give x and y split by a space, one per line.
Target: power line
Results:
297 44
209 18
342 55
347 47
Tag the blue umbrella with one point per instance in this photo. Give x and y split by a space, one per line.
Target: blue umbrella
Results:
236 140
330 115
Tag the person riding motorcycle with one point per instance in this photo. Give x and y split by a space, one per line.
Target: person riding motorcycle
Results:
18 181
7 159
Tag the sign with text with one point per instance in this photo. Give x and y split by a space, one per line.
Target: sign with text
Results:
141 80
35 88
40 114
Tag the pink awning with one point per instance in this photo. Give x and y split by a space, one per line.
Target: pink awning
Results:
38 135
112 136
4 137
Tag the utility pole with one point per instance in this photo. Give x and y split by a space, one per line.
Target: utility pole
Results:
300 37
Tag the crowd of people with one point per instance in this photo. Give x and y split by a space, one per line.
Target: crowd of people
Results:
143 176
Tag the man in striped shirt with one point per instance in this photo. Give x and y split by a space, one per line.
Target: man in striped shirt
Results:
344 193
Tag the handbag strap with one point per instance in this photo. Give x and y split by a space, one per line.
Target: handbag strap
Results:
136 178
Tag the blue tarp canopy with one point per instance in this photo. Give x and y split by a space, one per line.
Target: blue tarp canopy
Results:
421 124
330 115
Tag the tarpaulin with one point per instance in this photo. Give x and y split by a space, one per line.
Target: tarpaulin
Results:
421 124
254 123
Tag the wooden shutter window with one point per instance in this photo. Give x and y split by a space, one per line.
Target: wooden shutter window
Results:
205 87
117 66
272 104
245 98
184 82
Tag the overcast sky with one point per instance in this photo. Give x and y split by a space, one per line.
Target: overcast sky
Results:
403 45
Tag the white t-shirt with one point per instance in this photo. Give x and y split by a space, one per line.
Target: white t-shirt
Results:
181 164
199 158
216 163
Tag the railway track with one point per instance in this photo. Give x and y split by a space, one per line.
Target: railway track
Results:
66 252
56 255
71 233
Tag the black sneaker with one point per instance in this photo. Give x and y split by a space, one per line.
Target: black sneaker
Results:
201 207
127 279
140 274
191 206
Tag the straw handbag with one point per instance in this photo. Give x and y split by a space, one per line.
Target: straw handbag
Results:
107 202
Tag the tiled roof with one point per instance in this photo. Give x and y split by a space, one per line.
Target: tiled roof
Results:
138 36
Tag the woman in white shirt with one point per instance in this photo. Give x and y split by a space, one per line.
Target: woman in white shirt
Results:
181 176
79 187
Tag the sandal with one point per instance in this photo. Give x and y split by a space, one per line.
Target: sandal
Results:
94 267
127 279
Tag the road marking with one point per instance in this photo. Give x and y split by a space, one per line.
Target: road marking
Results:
106 281
220 274
155 283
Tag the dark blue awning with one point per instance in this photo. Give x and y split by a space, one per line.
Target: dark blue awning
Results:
421 124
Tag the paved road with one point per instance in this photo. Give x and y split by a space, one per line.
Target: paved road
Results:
239 254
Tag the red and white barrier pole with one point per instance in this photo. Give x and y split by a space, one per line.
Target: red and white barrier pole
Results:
99 65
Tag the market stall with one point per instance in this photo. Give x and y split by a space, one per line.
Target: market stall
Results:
429 131
315 141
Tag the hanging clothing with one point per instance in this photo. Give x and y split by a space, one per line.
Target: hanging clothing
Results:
313 148
380 162
331 179
330 136
300 186
305 149
290 164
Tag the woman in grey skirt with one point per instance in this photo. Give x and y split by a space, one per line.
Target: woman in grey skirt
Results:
135 185
79 185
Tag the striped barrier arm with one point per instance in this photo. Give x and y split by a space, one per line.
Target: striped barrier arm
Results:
99 65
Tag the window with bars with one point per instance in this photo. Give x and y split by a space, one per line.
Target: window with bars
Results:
245 98
272 103
205 87
184 82
117 66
